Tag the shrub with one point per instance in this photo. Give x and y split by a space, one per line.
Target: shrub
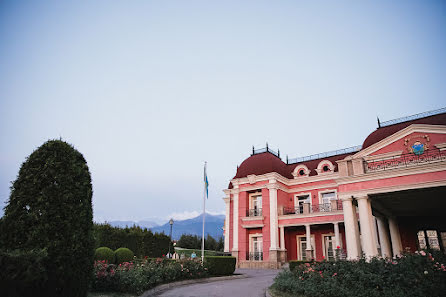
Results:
411 275
136 278
123 255
50 208
296 263
220 265
105 254
23 273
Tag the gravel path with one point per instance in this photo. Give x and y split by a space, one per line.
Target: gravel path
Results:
254 286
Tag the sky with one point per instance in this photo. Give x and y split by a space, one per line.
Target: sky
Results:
148 91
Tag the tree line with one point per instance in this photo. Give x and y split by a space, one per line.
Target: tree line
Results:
188 241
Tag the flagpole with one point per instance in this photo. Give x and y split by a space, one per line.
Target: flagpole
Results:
204 214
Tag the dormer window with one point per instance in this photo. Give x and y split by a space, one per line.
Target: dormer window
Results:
301 171
325 167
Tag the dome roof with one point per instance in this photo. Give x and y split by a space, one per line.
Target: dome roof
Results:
263 163
383 132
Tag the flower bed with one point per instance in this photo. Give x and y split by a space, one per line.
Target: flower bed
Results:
420 274
137 277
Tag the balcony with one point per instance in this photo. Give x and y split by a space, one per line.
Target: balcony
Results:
257 212
306 208
405 160
254 256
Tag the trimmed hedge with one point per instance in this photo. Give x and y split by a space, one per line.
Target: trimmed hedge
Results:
23 273
220 265
123 255
297 263
104 254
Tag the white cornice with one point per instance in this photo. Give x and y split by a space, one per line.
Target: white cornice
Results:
380 190
310 215
253 226
383 156
259 218
285 181
312 223
441 146
421 128
394 172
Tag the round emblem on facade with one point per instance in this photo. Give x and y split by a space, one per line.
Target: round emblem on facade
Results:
417 144
418 148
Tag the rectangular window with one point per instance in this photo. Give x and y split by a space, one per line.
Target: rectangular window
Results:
255 207
302 248
300 203
329 247
326 201
256 253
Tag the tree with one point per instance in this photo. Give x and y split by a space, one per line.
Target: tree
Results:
210 243
50 208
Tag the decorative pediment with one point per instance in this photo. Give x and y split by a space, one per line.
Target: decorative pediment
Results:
415 139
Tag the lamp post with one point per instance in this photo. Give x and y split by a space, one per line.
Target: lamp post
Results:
171 223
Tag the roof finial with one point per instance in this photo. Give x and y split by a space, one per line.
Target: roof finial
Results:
379 123
266 145
253 150
287 159
278 153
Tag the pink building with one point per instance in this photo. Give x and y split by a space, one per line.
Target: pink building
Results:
382 198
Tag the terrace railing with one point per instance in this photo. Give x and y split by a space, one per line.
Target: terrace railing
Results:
334 205
412 117
256 212
254 256
348 150
405 160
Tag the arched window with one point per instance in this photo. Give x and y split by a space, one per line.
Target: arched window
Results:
300 171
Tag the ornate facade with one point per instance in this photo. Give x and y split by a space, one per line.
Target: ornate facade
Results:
382 198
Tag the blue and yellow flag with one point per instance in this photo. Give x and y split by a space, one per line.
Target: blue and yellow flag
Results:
206 183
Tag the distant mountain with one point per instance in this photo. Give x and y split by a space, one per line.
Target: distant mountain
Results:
213 226
142 224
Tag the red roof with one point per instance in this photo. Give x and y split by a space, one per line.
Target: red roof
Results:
259 164
383 132
263 163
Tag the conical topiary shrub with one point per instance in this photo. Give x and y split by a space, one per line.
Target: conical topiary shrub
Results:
50 208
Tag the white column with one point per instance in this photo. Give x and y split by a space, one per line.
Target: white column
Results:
282 237
384 240
373 225
308 234
235 224
350 229
273 218
227 219
336 231
395 237
358 236
368 241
